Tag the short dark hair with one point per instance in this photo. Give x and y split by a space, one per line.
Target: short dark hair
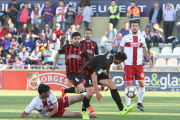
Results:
88 29
87 3
75 34
113 0
43 88
61 1
121 56
132 2
70 6
156 2
135 21
14 38
25 2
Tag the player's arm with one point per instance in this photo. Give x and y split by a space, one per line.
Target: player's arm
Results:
120 49
55 110
147 56
86 55
96 50
107 71
25 115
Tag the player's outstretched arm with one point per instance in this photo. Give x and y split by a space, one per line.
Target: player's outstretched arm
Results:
147 56
120 49
55 61
95 85
24 115
55 110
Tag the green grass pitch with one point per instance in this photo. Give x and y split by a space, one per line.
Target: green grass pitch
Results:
158 105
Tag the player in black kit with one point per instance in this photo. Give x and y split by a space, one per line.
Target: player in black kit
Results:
92 75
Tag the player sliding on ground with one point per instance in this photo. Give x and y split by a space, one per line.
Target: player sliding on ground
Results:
74 55
48 106
134 46
92 75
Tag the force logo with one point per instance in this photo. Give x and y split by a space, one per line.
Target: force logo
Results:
100 71
142 75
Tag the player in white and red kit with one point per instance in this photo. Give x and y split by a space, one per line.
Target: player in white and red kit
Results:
134 46
48 106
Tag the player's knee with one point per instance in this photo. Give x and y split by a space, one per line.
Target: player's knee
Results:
112 85
81 97
89 95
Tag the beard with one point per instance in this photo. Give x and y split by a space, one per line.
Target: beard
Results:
88 38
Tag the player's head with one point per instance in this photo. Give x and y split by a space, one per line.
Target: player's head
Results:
76 36
87 33
119 57
134 26
44 90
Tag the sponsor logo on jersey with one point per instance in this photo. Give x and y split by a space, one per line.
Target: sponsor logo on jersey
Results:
142 75
100 71
90 51
135 44
51 79
74 56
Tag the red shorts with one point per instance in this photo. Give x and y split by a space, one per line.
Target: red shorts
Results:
133 71
63 102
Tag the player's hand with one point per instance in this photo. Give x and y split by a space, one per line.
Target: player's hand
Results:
98 96
36 116
150 64
119 66
53 67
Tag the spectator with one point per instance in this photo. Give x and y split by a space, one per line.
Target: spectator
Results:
10 27
155 15
47 31
176 41
116 43
79 15
70 17
48 13
2 54
13 54
13 9
70 32
8 60
87 13
2 30
60 14
49 55
146 35
146 61
22 33
54 42
156 34
28 43
133 13
125 31
1 61
14 44
35 56
7 42
36 17
24 55
40 64
58 31
34 32
178 15
3 15
169 16
42 40
109 36
18 64
114 13
24 15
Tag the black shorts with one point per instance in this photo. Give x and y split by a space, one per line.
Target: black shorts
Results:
87 81
74 78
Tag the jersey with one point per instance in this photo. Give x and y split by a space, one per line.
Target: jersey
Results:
73 56
133 47
91 48
43 107
97 64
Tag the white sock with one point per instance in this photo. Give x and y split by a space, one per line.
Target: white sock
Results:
141 92
128 100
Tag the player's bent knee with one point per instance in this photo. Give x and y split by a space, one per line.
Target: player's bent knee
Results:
112 85
89 95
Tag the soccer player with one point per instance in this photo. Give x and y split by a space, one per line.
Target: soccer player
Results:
92 73
48 106
134 46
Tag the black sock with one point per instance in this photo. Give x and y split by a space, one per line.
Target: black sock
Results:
117 99
82 101
85 104
70 90
139 103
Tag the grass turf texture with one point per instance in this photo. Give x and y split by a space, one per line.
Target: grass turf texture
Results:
158 105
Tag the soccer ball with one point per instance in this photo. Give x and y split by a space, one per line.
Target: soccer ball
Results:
131 91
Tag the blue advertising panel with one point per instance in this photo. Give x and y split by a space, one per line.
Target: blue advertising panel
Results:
154 81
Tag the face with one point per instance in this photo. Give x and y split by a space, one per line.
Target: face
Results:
168 6
8 57
45 45
156 5
87 35
132 4
57 27
35 7
76 40
37 49
13 40
9 36
23 49
25 26
134 27
48 4
0 8
25 6
110 27
12 50
126 25
113 3
117 61
32 27
147 28
155 26
46 26
53 36
72 27
61 3
16 59
14 1
46 94
119 36
9 21
70 9
27 36
49 47
42 36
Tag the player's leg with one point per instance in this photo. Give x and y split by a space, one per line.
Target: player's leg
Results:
141 80
128 100
70 114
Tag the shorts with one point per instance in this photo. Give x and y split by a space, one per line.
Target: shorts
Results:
133 71
74 78
63 102
87 81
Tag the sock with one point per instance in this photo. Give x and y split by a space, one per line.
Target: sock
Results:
82 101
141 92
128 100
117 99
70 90
85 104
